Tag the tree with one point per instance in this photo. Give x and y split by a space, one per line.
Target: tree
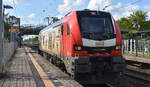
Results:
145 25
136 18
139 16
124 23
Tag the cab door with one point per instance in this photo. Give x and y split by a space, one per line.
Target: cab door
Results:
62 39
66 41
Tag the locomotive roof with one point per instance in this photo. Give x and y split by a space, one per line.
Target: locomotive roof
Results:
86 11
83 12
52 25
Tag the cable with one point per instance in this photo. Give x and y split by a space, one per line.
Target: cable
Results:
137 1
125 6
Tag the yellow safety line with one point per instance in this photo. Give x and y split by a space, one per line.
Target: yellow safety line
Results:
47 82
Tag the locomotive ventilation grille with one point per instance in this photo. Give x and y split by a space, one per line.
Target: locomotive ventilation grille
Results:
92 50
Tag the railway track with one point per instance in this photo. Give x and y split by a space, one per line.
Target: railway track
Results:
136 79
61 79
50 75
139 73
138 76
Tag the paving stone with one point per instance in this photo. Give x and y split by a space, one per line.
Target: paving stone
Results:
6 83
13 83
19 72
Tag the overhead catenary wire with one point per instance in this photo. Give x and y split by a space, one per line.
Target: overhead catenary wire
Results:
124 6
48 17
136 1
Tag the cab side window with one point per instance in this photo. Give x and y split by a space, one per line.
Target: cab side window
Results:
62 29
68 30
43 39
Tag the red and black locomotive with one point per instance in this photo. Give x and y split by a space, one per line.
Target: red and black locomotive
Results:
87 43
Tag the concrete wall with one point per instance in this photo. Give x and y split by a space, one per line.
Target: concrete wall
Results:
1 55
1 33
8 51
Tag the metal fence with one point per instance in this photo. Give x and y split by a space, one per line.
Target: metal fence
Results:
8 51
138 47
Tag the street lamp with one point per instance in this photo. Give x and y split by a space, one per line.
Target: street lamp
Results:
8 7
1 31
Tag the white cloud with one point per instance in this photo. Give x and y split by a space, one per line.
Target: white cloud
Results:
68 4
117 9
132 7
60 16
78 2
31 16
125 11
147 7
149 15
98 4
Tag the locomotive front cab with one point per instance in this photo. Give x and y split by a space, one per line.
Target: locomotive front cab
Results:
99 57
98 33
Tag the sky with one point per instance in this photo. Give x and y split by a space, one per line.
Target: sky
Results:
34 11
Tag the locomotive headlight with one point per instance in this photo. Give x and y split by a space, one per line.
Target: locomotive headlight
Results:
77 48
118 47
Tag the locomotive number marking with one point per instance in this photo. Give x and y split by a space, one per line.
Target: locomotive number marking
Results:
99 43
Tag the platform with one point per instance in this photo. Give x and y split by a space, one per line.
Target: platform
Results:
18 72
137 59
23 71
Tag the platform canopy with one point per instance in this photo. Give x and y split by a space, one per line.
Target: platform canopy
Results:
31 29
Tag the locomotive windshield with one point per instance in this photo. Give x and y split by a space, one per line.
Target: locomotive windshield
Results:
96 26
